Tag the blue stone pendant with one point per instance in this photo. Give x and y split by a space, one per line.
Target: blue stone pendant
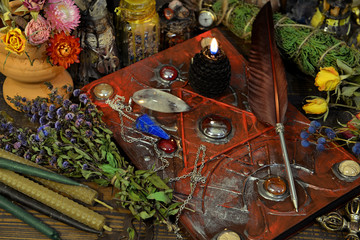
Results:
146 125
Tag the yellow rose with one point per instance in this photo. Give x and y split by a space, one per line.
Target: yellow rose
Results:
14 41
316 105
327 79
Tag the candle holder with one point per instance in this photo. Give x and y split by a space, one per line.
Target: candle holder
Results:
209 74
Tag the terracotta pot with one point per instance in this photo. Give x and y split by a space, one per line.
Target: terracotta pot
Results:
26 79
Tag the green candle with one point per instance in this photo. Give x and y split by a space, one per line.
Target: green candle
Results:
28 218
33 204
33 171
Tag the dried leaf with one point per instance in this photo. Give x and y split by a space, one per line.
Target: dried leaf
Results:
348 91
159 196
157 181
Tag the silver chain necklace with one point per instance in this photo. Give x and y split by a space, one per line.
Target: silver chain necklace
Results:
118 104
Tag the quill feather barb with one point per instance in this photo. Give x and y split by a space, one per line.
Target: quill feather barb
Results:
267 86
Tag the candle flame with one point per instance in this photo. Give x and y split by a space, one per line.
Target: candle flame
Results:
214 46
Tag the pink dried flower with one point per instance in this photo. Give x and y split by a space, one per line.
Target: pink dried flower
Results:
37 32
34 5
62 15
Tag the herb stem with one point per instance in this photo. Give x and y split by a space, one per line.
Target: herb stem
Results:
342 105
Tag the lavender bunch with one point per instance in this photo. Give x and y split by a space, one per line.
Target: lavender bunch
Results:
70 137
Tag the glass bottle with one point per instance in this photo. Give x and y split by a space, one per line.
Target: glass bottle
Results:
138 30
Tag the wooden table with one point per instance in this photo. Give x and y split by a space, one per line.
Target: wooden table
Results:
12 228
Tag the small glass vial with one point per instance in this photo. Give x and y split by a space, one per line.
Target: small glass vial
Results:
138 30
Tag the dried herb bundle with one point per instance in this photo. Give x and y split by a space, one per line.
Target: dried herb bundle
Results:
307 47
71 139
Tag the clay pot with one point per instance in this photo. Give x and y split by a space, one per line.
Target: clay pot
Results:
26 79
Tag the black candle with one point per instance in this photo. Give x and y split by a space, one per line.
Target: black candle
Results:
210 71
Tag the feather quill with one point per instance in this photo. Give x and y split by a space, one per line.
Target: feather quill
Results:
267 85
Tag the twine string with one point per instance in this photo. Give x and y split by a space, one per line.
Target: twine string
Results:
297 53
327 51
280 21
245 34
225 6
227 16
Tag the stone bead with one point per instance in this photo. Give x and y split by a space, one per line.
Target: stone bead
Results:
103 91
168 73
275 186
167 145
349 168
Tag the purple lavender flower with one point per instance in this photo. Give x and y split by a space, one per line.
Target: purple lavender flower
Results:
50 115
69 116
89 124
83 98
34 118
53 160
24 143
85 166
9 126
69 88
52 108
21 136
45 132
74 107
73 140
36 103
17 145
89 133
88 110
27 109
38 159
60 112
79 122
27 155
65 164
23 99
44 106
37 138
42 152
33 110
58 126
80 115
59 99
66 103
91 106
68 133
76 92
41 113
43 120
8 147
